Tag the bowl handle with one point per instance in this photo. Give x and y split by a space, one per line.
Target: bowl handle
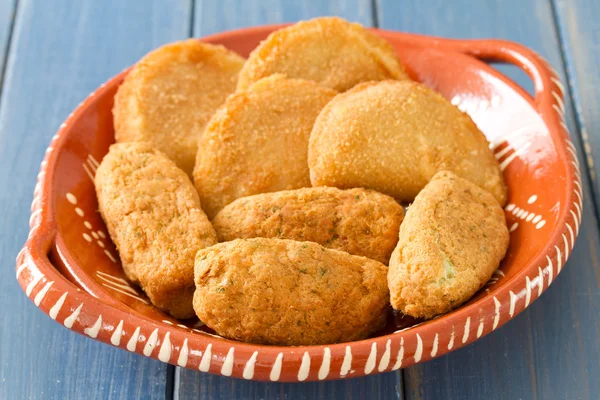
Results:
549 91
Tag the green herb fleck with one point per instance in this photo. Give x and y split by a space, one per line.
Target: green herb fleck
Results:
448 271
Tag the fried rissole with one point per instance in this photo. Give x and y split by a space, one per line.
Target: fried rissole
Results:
328 50
393 136
170 94
451 241
257 141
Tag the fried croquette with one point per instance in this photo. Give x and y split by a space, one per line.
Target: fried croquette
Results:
328 50
171 93
257 141
358 221
283 292
153 215
451 241
393 136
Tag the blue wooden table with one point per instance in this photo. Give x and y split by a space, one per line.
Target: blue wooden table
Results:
54 52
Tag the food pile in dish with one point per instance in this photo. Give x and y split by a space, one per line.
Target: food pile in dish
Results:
265 196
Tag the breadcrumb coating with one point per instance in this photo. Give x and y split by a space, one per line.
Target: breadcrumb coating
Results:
393 136
257 141
153 215
283 292
170 94
328 50
358 221
451 241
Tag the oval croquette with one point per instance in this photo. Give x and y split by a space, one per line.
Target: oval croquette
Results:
283 292
153 215
358 221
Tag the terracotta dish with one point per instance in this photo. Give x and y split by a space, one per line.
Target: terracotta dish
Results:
70 269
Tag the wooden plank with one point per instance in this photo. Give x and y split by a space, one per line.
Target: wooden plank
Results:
579 31
218 16
7 15
214 17
551 350
198 385
59 53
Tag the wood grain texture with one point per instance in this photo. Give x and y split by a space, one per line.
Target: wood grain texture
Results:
580 35
59 53
7 15
551 350
211 17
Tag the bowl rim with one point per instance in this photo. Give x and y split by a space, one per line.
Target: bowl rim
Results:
90 316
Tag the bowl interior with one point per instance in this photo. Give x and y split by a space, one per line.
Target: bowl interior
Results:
519 138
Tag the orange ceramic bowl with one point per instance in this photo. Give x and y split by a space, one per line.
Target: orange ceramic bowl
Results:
70 269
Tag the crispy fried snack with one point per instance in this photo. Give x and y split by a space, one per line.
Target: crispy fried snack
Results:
327 50
257 141
393 136
359 221
153 215
170 94
283 292
452 240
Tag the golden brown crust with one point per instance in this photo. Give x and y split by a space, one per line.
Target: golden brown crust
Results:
283 292
153 215
451 241
327 50
170 94
257 141
393 136
358 221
